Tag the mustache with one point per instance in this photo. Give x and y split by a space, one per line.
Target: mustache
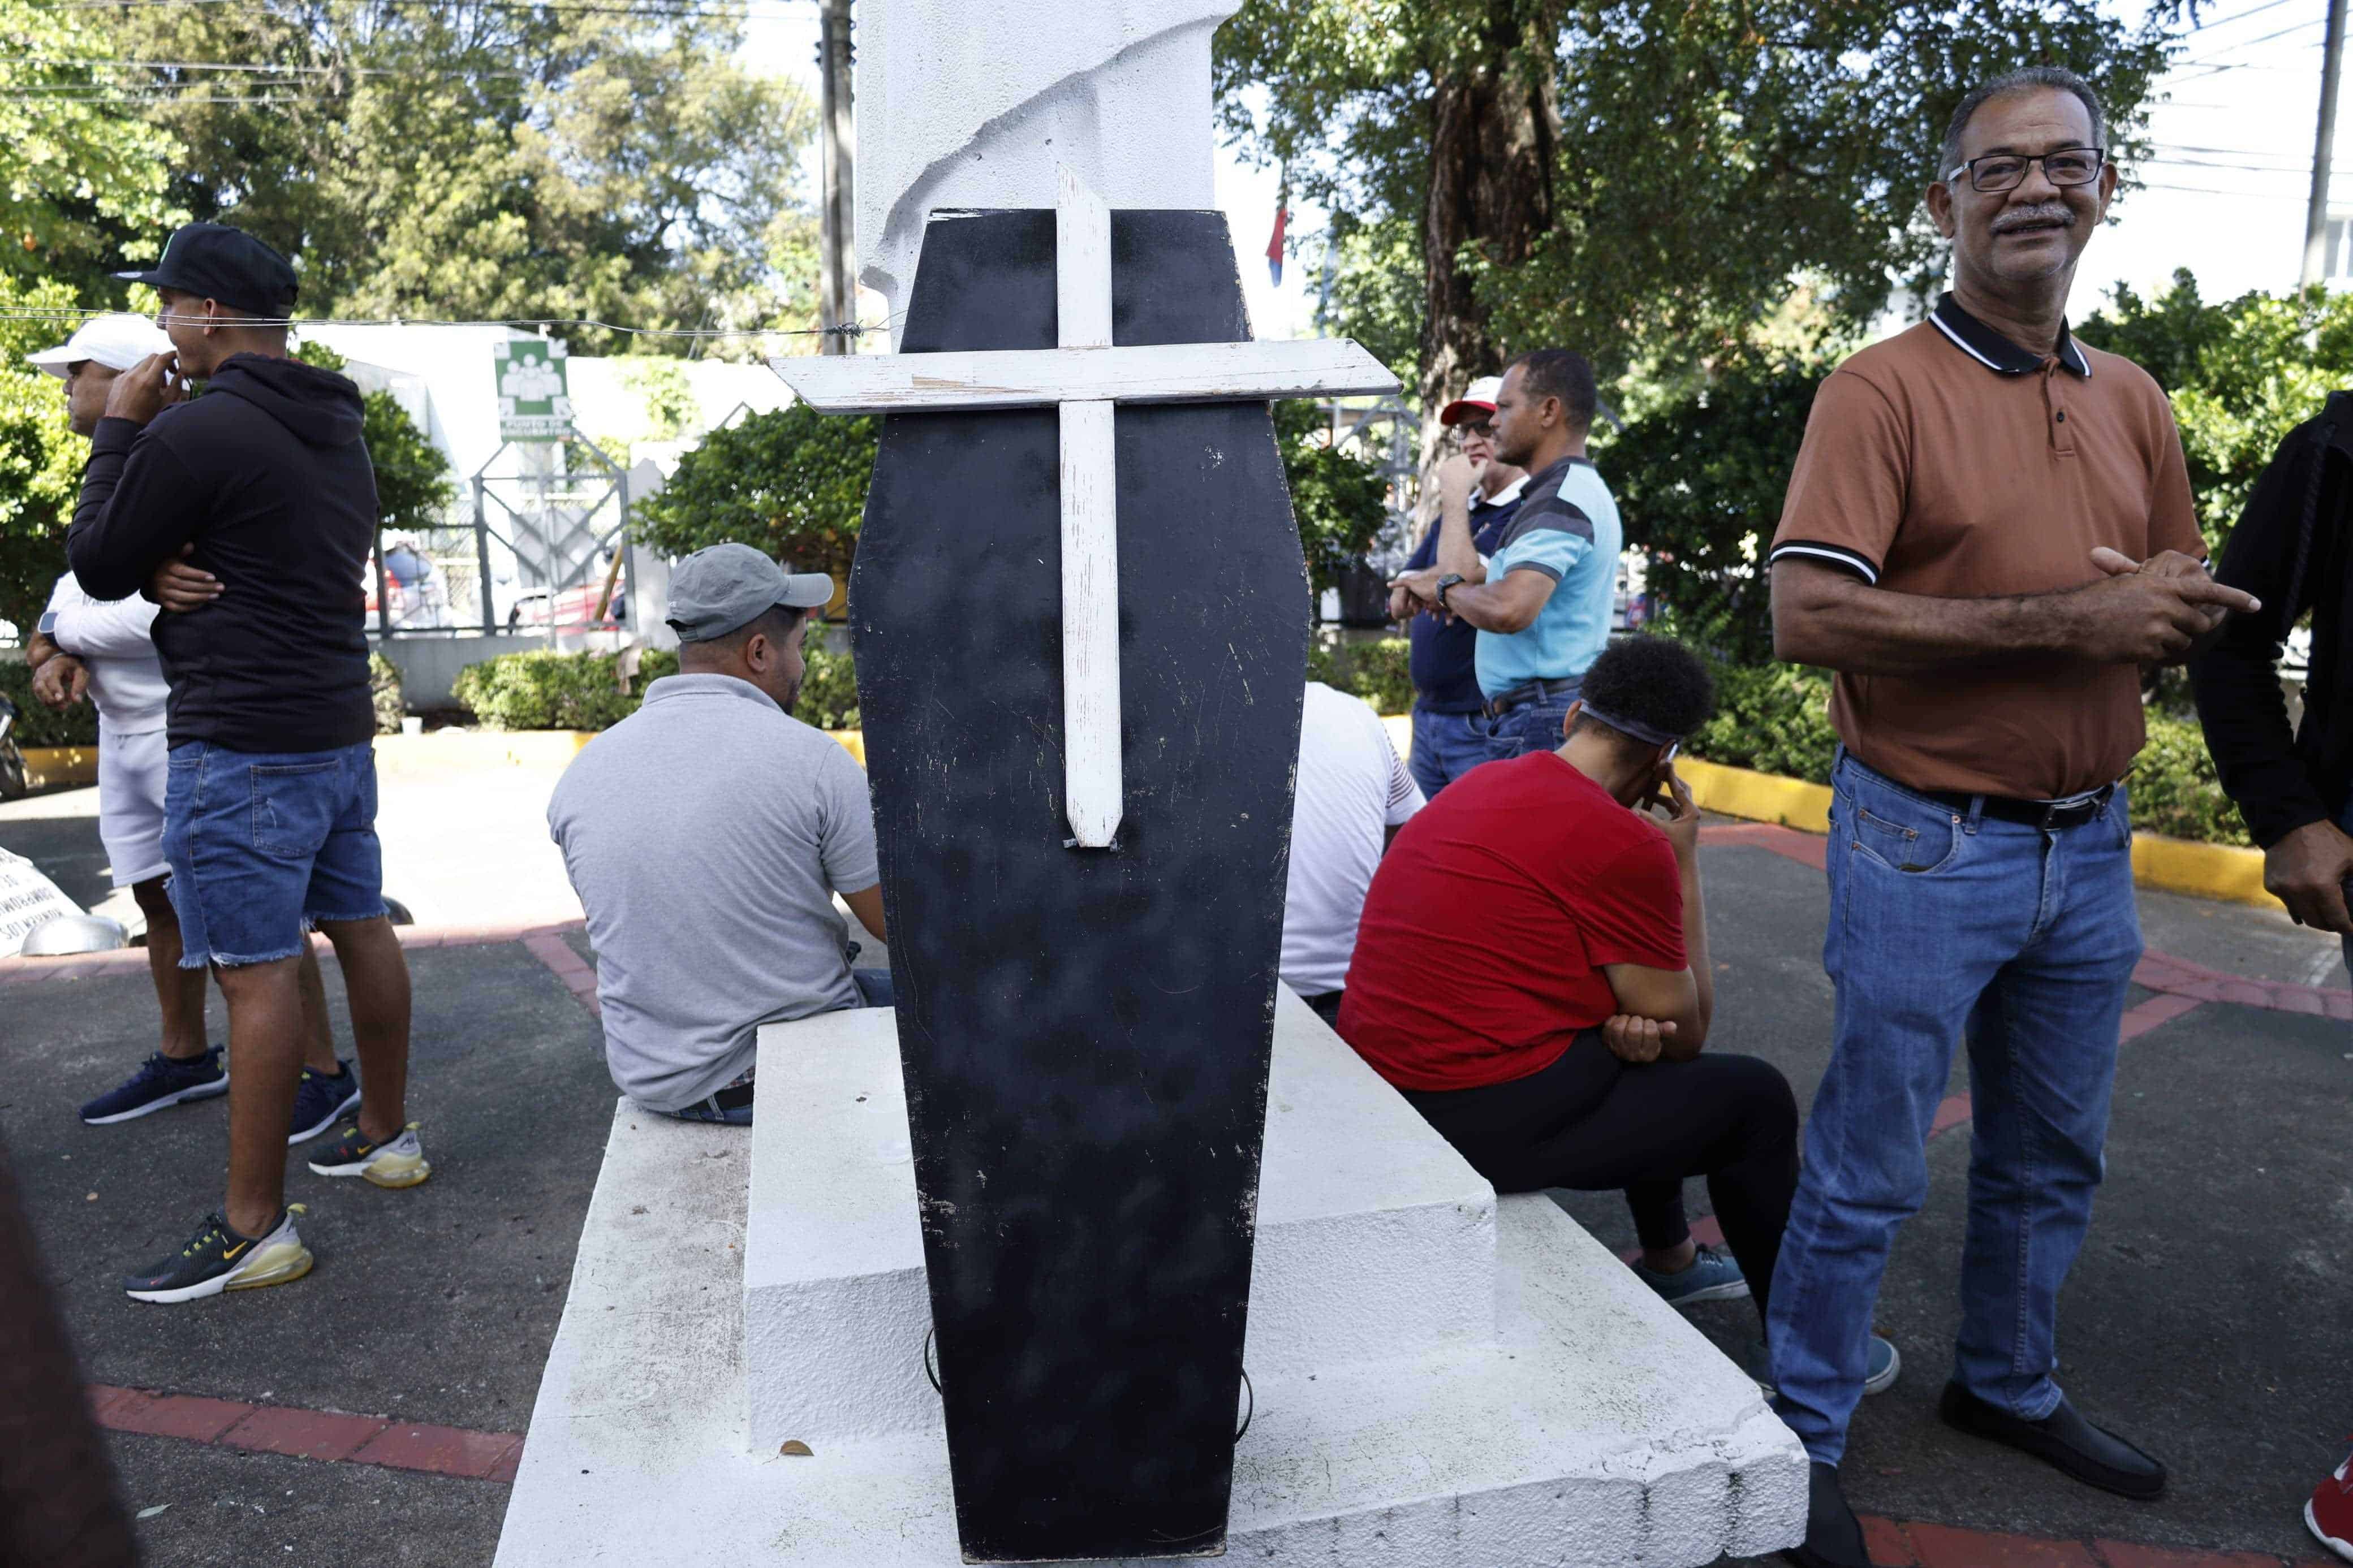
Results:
2046 212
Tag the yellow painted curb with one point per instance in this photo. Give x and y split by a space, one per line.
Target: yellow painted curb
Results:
2229 872
56 767
1756 798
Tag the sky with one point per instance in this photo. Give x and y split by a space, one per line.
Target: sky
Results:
2223 190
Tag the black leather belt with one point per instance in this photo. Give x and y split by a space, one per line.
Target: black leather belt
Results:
734 1098
1529 691
2049 815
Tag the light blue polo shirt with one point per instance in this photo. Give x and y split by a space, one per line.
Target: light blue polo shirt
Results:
1567 528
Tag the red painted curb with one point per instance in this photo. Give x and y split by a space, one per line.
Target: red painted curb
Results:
578 977
1911 1544
332 1436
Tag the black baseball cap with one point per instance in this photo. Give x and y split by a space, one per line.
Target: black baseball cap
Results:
213 261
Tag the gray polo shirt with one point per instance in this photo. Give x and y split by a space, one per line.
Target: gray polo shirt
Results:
706 835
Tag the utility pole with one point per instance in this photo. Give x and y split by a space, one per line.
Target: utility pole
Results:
837 303
2315 214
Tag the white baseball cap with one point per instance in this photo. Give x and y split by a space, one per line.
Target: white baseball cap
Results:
1478 401
117 341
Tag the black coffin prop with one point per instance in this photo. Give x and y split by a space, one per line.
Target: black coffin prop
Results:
1085 1034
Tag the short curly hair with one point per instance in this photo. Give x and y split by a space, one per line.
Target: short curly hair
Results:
1652 681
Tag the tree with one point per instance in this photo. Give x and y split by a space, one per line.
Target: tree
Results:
79 168
1700 481
40 456
496 160
2240 376
793 483
1639 179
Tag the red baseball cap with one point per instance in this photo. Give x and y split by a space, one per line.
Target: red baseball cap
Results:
1477 402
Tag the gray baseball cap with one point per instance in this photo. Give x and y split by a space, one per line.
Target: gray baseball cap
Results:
728 586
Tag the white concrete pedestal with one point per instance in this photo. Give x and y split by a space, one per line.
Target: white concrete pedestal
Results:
1443 1379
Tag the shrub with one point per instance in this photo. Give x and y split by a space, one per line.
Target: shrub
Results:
543 690
828 692
1375 672
2175 790
384 686
37 725
1774 718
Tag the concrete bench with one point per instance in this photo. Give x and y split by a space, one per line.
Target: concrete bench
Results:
1441 1377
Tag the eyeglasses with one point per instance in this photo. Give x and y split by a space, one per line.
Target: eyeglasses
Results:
1998 171
1482 431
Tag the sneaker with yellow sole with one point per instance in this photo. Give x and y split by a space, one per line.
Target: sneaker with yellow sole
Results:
219 1258
394 1162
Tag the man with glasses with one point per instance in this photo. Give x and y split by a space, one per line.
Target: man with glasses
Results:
1478 495
1958 544
1543 613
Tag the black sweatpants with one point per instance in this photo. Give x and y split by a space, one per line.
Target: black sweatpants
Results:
1592 1123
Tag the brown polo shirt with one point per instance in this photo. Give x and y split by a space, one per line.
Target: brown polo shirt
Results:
1949 462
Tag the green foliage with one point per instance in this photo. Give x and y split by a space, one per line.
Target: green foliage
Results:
1772 717
37 724
2175 790
40 456
413 486
544 690
1702 154
541 689
1700 481
1376 671
671 409
2241 375
81 175
1338 499
828 697
500 160
791 482
383 689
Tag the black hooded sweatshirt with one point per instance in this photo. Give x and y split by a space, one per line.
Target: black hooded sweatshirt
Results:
2293 550
267 476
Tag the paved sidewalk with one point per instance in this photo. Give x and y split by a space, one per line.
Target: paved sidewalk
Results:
369 1410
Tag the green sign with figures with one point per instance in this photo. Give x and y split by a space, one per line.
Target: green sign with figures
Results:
534 403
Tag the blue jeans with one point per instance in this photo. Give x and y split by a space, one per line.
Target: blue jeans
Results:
1530 727
1445 747
259 844
1945 923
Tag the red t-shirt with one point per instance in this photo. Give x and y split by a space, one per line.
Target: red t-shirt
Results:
1480 954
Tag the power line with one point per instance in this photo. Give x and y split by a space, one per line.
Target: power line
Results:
654 11
847 330
263 67
2251 43
2208 191
2238 16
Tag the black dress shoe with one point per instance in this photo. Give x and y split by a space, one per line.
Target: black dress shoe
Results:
1833 1535
2063 1440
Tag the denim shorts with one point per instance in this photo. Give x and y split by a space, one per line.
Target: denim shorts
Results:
261 844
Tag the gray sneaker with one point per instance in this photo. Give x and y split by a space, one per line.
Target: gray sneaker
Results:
1885 1366
1712 1277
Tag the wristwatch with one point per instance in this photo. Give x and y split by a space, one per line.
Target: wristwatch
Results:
1445 582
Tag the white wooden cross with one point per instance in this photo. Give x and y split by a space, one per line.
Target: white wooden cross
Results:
1085 377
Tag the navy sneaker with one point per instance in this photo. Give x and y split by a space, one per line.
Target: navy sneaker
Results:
217 1258
160 1081
1712 1276
319 1099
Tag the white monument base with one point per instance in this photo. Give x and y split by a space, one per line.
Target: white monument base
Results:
1442 1379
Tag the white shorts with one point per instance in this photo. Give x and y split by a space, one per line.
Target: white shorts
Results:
130 773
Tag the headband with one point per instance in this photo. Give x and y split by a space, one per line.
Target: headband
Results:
1645 733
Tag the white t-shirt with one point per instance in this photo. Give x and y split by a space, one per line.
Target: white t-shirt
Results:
1352 790
112 639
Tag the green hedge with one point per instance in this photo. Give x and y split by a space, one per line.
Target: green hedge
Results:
1375 672
1776 720
547 690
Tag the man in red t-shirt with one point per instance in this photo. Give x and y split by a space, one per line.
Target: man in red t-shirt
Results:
1531 971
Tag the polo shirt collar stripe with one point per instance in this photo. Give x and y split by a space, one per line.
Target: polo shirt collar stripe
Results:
1997 352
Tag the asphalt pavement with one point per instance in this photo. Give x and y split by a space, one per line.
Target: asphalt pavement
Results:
2207 1318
